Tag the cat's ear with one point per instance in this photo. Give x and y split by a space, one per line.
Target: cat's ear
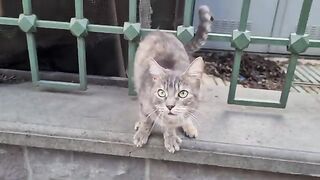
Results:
155 69
196 68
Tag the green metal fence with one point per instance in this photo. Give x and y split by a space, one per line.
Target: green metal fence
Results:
240 39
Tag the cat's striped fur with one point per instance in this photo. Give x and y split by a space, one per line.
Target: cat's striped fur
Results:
163 64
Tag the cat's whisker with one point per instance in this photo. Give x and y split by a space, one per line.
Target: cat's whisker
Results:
151 113
194 110
161 109
154 123
194 118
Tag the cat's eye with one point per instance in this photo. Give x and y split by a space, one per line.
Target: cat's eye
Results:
183 93
161 93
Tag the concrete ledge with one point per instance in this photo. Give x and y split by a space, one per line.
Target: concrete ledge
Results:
101 121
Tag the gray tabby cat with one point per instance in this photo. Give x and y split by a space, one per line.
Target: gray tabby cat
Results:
168 84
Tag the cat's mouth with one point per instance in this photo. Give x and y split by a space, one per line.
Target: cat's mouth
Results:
171 114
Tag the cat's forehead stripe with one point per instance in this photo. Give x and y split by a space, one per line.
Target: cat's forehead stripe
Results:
173 81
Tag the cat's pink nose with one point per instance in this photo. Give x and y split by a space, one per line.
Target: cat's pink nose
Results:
170 107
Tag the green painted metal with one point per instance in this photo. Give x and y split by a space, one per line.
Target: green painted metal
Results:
79 8
132 47
131 30
33 58
9 21
219 37
27 8
53 24
234 76
133 11
269 40
298 43
188 12
314 43
240 39
185 34
105 29
58 85
78 27
27 23
304 16
80 30
244 40
244 15
302 24
82 63
145 31
289 77
131 54
258 103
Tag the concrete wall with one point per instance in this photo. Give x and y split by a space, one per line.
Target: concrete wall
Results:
24 163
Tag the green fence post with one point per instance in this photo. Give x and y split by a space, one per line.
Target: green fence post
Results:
240 41
188 12
81 45
29 27
132 47
298 44
234 76
185 32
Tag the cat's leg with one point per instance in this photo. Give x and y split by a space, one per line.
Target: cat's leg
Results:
189 129
171 140
143 130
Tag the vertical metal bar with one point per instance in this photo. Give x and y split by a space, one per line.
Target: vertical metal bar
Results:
234 76
238 53
31 43
79 8
82 63
81 45
27 7
289 78
132 46
188 12
302 24
131 53
132 11
304 16
244 15
33 58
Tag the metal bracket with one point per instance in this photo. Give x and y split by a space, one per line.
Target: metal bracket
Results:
298 43
240 40
79 27
185 34
27 23
131 30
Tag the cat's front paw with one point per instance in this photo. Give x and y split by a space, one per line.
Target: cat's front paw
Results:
190 130
172 143
141 137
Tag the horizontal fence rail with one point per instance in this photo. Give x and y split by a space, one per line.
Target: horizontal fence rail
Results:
240 39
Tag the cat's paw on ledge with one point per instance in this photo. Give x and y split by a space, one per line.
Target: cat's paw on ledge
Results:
172 143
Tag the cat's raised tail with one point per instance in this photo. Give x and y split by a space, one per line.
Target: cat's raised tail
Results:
204 28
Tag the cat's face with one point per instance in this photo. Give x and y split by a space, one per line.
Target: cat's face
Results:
174 94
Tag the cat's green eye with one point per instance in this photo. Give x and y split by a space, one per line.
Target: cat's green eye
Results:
183 93
161 93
